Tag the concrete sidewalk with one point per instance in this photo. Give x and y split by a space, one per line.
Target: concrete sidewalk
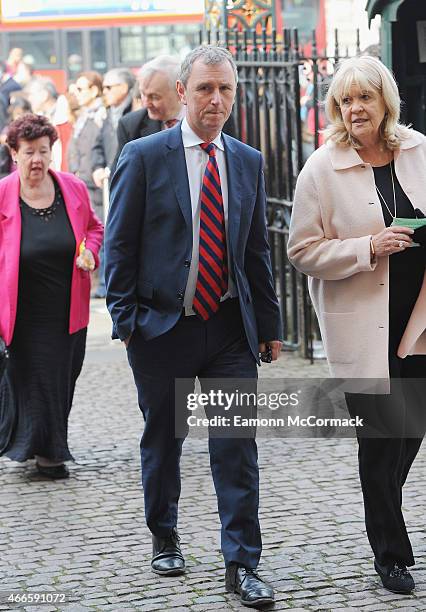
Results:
86 536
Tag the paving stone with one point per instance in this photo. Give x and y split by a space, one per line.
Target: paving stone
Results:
87 536
207 599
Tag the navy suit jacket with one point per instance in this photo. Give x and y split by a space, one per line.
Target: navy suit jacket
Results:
148 240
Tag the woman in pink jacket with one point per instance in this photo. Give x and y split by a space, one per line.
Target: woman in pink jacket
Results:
49 240
368 285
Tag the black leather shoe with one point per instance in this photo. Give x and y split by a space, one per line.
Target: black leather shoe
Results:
167 558
254 593
53 471
396 578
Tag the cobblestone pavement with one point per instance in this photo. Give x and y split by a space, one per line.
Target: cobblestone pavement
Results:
87 537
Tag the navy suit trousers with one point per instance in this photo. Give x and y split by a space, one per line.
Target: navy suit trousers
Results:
217 348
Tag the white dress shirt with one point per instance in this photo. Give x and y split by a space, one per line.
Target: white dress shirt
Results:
196 162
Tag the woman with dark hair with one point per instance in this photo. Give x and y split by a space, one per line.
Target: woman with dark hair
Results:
49 240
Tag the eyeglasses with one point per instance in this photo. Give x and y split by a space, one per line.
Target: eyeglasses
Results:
108 87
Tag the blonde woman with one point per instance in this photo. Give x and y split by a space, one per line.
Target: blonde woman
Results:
364 281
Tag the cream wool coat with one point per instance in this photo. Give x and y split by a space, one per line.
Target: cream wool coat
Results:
336 210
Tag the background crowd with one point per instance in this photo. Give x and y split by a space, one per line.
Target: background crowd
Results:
88 116
93 104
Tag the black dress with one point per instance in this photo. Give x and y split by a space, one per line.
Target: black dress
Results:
406 270
386 458
45 360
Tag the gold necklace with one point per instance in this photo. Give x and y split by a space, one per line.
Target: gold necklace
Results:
394 197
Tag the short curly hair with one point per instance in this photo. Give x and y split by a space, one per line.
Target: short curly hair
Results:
30 127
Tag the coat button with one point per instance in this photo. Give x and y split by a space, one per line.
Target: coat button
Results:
187 263
180 295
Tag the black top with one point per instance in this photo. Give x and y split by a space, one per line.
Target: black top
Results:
406 269
46 262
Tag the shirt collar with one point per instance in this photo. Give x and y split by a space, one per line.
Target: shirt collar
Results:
190 138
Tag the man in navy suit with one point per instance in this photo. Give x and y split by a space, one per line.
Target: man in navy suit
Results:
191 294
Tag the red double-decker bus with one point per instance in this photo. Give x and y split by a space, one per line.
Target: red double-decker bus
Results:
64 37
307 16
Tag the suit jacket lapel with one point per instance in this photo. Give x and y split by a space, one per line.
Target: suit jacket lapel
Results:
234 170
176 163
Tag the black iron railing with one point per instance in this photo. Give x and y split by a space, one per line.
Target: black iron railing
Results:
279 111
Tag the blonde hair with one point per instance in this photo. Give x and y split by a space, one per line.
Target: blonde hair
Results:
367 73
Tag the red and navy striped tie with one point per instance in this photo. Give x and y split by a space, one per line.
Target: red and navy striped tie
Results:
212 279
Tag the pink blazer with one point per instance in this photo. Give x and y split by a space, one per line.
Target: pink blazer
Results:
85 225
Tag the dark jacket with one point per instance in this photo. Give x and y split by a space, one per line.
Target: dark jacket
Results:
105 148
131 126
80 152
6 89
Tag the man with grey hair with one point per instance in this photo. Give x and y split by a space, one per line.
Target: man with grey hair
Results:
209 55
162 106
42 95
117 86
191 294
157 84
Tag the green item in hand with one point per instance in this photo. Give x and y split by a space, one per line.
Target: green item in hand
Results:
411 223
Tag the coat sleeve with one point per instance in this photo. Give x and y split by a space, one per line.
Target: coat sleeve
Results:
98 152
122 240
73 157
258 269
310 250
